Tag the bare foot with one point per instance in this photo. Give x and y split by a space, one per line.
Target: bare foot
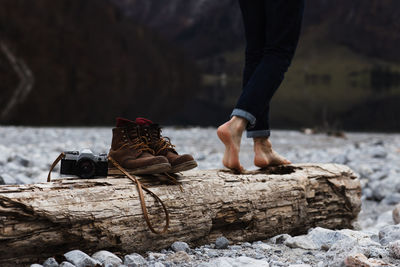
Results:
264 154
230 134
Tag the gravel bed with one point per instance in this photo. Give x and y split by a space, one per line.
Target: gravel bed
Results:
26 154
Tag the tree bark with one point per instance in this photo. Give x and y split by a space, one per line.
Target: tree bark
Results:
49 219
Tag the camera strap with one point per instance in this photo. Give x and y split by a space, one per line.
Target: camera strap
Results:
60 157
140 189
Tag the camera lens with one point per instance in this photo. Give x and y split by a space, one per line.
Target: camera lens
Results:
86 168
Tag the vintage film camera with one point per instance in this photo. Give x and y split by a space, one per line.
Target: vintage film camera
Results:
84 164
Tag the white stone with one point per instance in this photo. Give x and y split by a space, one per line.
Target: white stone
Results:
80 259
107 258
242 261
301 241
134 260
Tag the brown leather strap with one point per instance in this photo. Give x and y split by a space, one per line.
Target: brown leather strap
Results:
62 155
174 181
140 188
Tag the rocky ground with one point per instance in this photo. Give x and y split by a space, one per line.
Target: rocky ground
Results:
27 153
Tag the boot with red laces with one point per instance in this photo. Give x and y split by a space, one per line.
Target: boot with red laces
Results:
162 146
130 150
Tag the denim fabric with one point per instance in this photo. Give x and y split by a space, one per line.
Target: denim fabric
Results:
244 114
272 29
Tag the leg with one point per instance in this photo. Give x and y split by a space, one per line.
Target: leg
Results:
282 29
282 32
230 132
253 17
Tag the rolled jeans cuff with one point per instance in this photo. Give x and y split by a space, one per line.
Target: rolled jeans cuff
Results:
245 115
260 133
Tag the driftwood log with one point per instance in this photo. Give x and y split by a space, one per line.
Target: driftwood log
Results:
48 219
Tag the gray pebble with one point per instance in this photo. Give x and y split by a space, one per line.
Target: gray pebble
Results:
180 246
381 189
179 257
325 238
392 199
36 265
367 193
364 170
156 256
212 253
8 179
279 239
389 234
50 262
134 260
240 261
379 152
222 242
341 159
277 264
259 256
80 259
107 258
379 175
301 242
375 252
21 161
246 245
66 264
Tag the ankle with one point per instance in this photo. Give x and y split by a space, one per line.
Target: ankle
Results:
264 141
238 124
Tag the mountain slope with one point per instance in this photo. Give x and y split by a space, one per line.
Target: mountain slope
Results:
89 64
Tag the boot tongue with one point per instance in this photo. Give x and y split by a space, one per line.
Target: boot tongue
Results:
133 131
155 134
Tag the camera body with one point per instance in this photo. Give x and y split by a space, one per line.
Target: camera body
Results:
84 164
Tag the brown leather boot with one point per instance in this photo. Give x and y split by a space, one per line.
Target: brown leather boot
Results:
131 151
162 147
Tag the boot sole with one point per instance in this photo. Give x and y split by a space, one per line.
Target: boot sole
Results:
152 169
184 166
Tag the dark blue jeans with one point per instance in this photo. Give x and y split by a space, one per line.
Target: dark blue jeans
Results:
272 29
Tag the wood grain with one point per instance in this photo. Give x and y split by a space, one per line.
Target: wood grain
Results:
42 220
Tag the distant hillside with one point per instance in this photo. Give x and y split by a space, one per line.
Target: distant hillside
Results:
180 62
206 27
89 64
347 61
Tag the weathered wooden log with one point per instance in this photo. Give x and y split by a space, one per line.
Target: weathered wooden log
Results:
47 219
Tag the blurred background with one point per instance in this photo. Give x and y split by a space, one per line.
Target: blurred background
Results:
179 62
